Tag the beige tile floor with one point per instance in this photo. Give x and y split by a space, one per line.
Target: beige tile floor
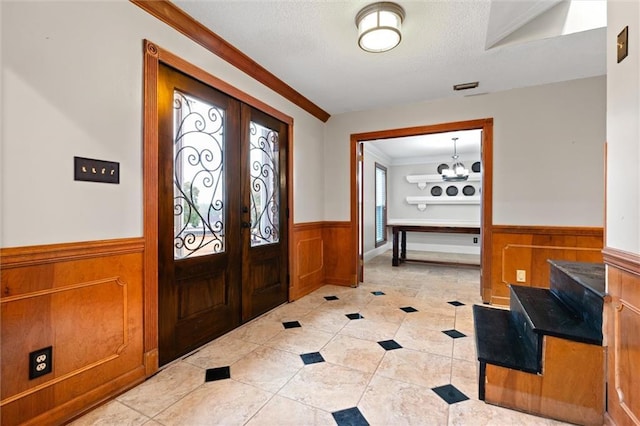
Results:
271 385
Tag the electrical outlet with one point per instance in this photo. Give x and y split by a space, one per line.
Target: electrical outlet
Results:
40 362
475 240
521 275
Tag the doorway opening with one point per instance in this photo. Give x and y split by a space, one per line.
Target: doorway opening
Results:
482 190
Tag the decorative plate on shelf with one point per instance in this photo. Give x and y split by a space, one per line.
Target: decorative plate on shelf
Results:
475 167
442 167
452 190
468 190
436 191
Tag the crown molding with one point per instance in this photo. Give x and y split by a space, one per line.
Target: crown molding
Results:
179 20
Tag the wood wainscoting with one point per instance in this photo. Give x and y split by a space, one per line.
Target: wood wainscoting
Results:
321 254
85 301
527 248
622 337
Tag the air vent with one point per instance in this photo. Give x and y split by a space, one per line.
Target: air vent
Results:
466 86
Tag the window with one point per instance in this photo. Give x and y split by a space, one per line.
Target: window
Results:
199 177
381 204
264 167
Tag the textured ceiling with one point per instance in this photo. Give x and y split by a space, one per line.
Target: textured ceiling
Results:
311 45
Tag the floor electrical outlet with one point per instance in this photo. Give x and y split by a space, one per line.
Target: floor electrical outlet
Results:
40 362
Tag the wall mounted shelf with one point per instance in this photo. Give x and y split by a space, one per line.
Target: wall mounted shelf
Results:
423 180
421 202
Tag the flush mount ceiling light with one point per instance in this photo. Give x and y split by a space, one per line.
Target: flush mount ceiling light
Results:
457 172
379 26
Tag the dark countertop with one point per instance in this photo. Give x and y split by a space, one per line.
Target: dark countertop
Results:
591 275
548 315
498 342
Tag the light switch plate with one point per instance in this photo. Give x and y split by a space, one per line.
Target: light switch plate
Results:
623 44
91 170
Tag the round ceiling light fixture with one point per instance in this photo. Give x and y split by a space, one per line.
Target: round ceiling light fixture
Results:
379 26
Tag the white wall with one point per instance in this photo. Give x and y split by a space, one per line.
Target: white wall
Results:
548 150
623 129
400 189
72 86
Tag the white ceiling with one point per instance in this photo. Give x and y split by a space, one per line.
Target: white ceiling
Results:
311 45
436 147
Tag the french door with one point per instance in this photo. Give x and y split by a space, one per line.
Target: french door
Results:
222 240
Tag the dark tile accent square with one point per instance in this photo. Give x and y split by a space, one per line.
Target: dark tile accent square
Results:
291 324
409 309
354 316
377 293
219 373
311 358
350 417
456 303
331 297
389 345
450 394
454 334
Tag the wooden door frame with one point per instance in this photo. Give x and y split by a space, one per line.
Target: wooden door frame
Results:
486 125
153 56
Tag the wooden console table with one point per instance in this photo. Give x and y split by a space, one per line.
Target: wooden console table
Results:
400 229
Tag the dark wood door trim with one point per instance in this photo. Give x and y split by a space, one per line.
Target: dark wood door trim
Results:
486 124
153 55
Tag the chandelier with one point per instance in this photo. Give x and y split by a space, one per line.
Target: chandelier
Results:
457 172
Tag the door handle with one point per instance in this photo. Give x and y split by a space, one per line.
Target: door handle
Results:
246 224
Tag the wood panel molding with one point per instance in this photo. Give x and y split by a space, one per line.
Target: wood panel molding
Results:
549 230
17 257
622 336
176 18
307 259
624 260
310 257
307 226
338 247
321 255
86 301
529 247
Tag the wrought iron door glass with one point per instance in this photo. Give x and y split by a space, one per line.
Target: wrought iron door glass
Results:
265 185
198 182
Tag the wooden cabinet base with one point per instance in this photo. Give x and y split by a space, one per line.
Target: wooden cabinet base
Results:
570 388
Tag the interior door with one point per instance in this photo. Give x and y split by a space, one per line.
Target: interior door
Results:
199 235
264 213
